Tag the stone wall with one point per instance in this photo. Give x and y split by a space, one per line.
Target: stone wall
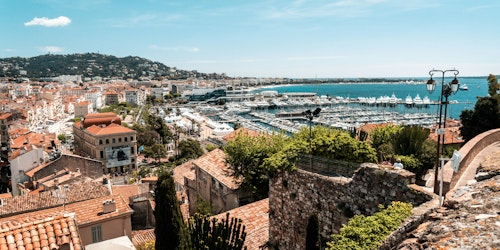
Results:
294 196
469 151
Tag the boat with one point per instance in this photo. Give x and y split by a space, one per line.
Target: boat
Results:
417 101
409 101
463 87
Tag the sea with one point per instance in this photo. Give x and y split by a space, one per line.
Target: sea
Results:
461 100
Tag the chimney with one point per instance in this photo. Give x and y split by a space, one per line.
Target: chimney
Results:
108 206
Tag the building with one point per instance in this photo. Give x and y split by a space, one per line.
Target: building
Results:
101 136
213 184
83 108
134 96
111 97
5 119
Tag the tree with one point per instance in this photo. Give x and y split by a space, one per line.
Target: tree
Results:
254 159
226 234
493 86
333 144
62 138
189 149
486 113
170 230
409 140
312 233
157 151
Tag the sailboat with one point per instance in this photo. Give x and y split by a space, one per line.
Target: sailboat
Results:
464 87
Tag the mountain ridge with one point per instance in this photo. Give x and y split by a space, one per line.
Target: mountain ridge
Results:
94 65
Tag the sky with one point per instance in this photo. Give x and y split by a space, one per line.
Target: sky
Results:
266 38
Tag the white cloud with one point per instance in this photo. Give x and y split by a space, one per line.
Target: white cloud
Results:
183 49
52 49
44 21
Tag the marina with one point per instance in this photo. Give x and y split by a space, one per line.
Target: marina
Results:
343 106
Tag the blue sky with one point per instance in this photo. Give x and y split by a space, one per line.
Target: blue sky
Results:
265 38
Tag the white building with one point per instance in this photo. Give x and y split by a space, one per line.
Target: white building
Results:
23 163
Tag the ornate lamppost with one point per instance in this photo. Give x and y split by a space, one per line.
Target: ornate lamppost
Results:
310 115
446 91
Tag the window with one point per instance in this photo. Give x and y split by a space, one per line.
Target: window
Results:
131 138
132 149
125 138
114 140
102 154
120 139
107 141
100 142
96 234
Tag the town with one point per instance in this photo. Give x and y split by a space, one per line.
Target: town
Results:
79 168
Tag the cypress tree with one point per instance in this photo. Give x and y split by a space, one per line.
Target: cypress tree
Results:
170 230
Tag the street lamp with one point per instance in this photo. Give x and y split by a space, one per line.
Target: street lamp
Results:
446 91
310 115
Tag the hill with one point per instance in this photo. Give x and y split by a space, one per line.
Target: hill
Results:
92 65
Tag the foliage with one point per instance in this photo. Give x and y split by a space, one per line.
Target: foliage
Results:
203 207
381 140
333 144
409 140
312 233
210 146
226 234
106 66
148 138
485 116
493 85
157 151
427 157
170 230
368 232
256 158
486 113
147 246
383 135
123 108
410 163
62 138
189 149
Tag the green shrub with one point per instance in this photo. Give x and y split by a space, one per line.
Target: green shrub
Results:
368 232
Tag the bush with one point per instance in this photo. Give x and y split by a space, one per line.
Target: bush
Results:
368 232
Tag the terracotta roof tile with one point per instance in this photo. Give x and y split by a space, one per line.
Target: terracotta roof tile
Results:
86 212
141 237
255 217
184 170
214 163
43 200
30 233
108 130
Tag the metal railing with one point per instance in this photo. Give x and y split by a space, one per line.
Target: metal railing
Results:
327 167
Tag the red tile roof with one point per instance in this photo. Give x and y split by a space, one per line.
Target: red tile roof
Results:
184 170
214 163
44 232
255 217
141 237
109 130
5 116
43 200
86 212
